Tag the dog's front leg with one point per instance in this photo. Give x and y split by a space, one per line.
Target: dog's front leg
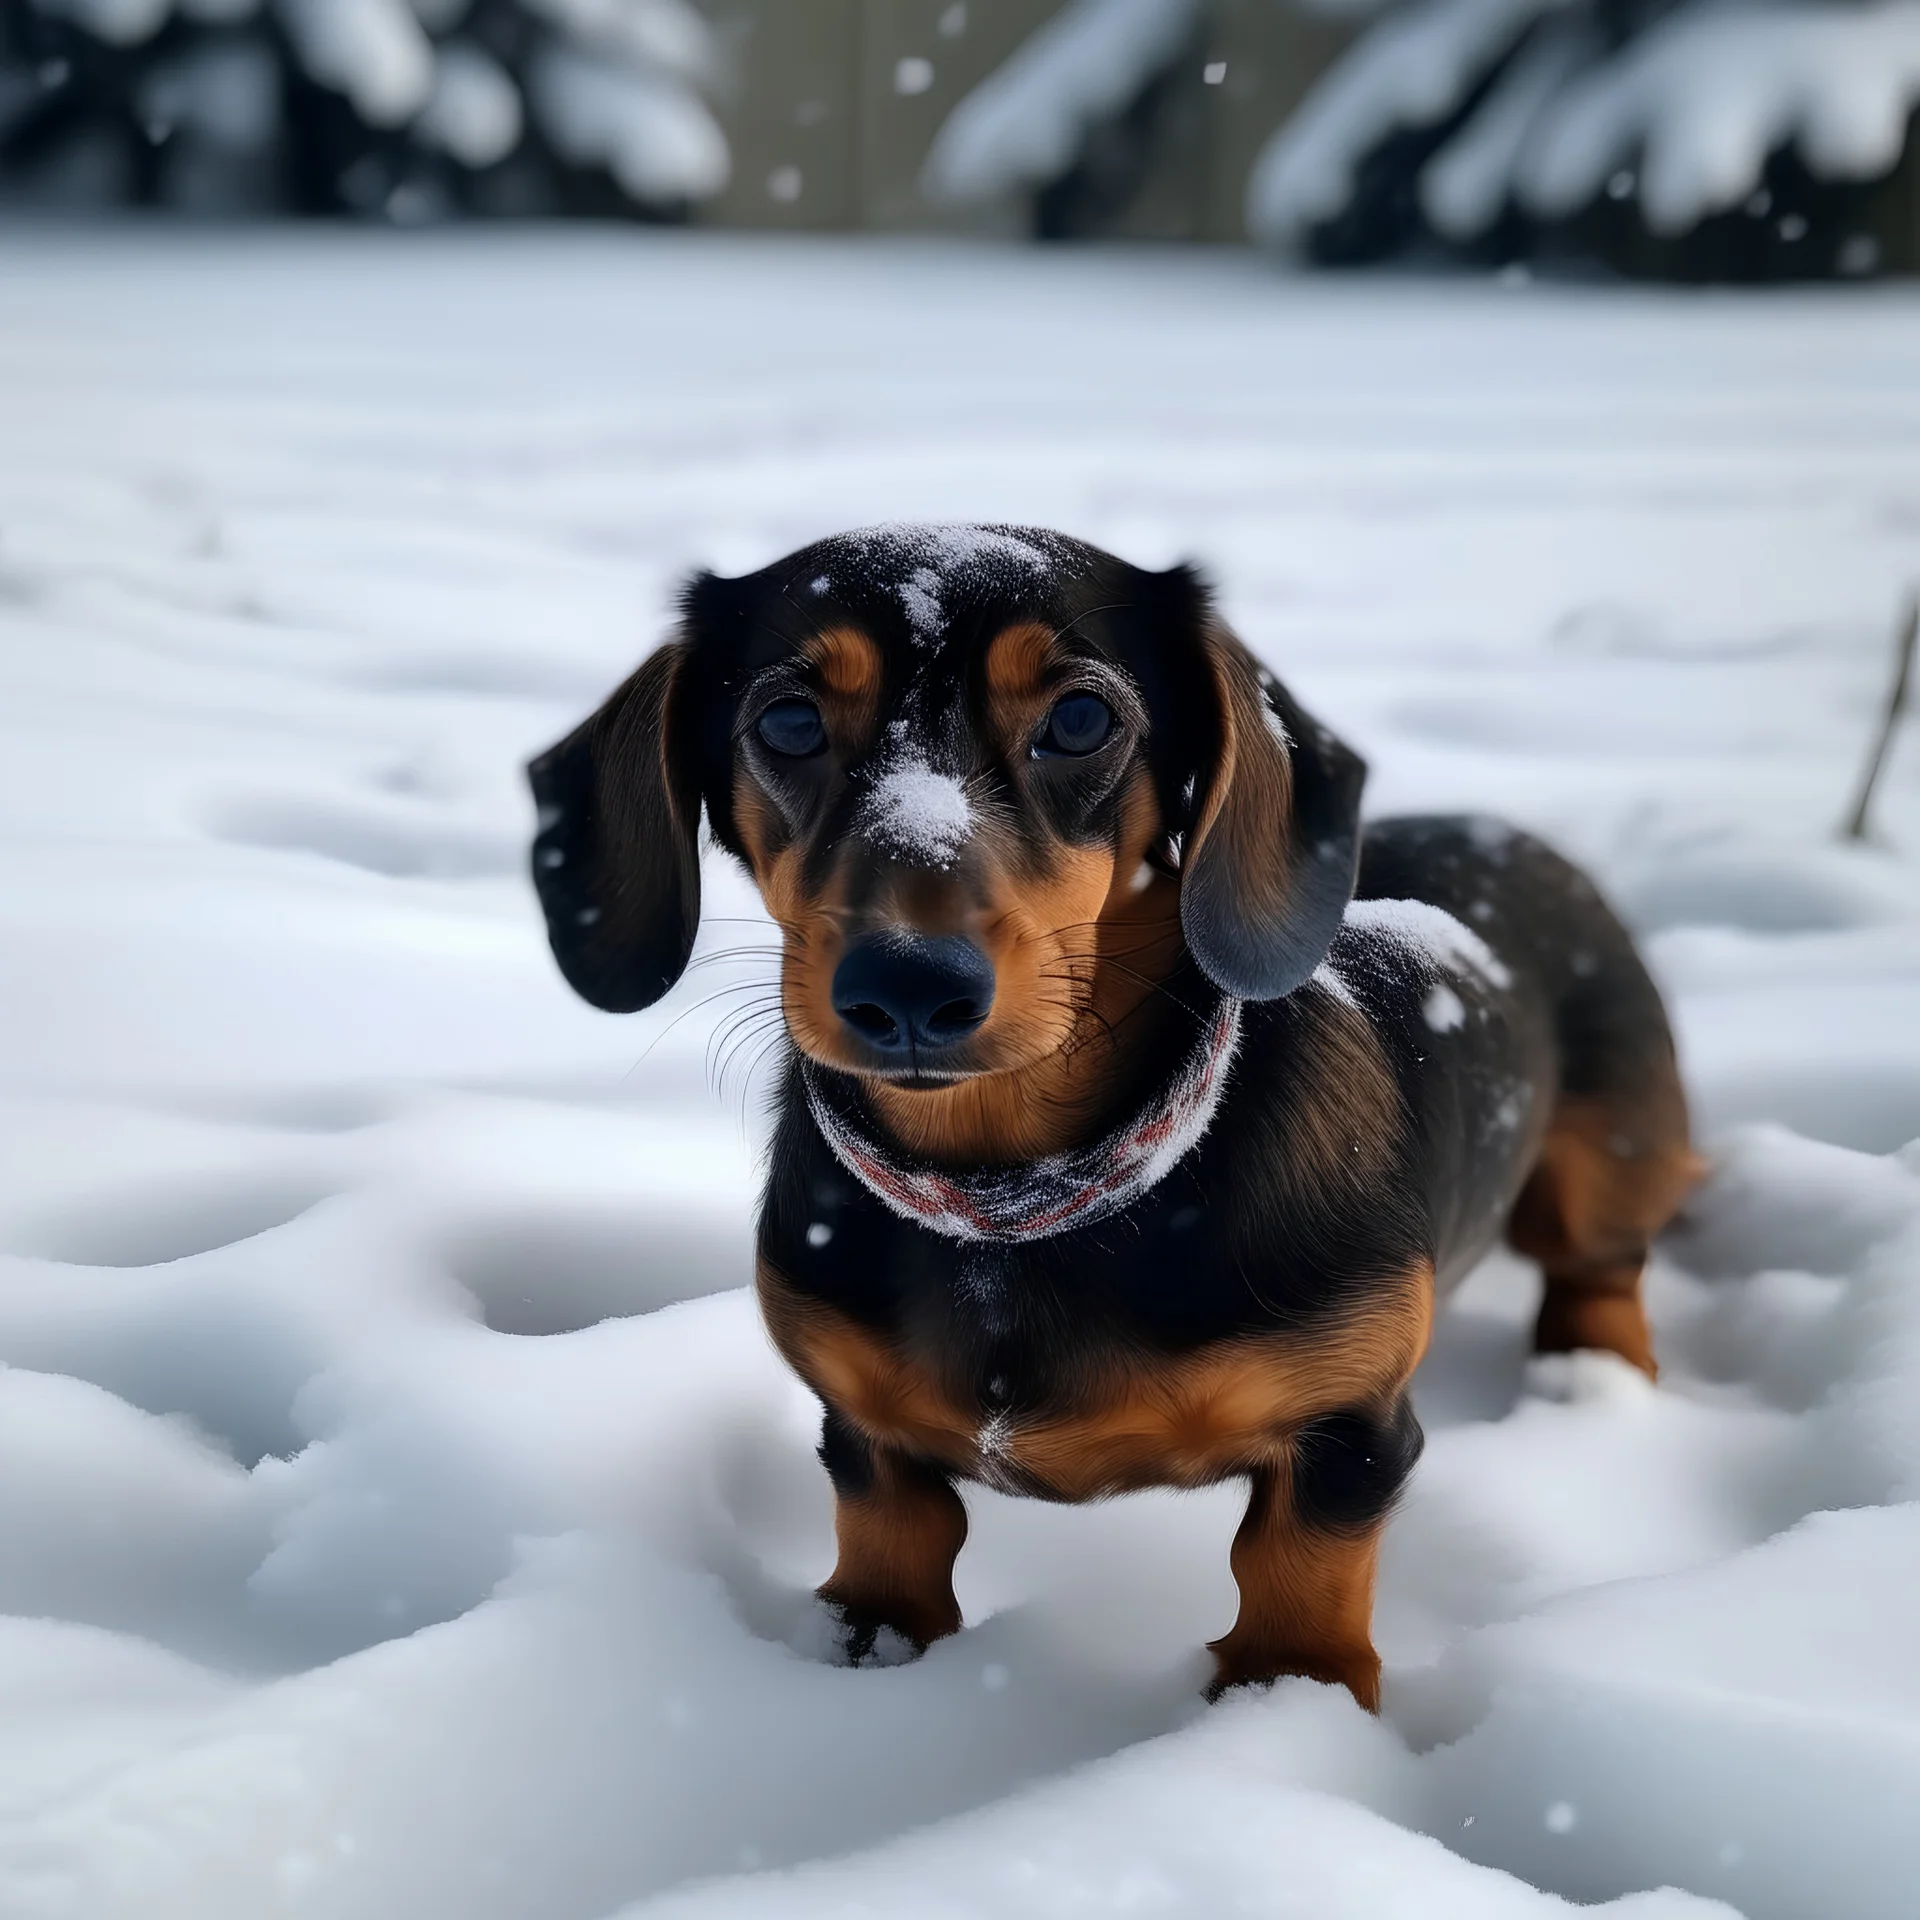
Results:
1307 1551
900 1527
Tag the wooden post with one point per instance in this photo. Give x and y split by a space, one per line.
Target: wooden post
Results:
1856 827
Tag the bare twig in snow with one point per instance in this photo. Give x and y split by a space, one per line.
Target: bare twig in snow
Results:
1856 828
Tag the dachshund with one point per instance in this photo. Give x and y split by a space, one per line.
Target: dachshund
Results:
1140 1104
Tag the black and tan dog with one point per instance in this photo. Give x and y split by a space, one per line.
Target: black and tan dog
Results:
1141 1106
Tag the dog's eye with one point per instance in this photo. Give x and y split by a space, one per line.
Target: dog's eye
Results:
1078 724
793 728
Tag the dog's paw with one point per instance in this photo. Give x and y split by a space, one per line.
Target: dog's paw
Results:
837 1635
1239 1665
1219 1687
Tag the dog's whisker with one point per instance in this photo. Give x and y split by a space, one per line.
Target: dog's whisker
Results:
736 1021
732 954
755 1043
706 1000
1147 980
769 1045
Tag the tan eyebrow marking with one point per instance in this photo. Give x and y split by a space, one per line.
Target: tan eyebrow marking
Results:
848 662
1017 661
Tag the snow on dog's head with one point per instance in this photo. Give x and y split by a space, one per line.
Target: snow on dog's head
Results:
923 567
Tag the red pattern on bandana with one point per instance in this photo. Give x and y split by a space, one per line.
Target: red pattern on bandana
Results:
1051 1195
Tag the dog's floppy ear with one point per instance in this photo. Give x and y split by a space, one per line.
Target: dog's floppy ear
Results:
1272 843
616 860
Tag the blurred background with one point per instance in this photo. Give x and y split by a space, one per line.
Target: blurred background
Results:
1714 140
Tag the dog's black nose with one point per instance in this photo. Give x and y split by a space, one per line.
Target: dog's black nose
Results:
902 992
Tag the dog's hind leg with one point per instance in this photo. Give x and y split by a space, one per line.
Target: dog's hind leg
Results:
1611 1172
900 1527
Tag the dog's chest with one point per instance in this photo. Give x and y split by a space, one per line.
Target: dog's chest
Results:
1072 1420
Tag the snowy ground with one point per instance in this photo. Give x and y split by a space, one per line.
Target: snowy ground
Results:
404 1513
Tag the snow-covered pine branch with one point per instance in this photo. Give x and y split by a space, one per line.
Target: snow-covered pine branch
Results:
1415 68
1542 109
1025 125
1703 98
381 106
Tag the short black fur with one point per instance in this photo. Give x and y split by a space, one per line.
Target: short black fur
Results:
1349 1468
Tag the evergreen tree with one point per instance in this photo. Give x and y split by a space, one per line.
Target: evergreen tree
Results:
1724 139
404 110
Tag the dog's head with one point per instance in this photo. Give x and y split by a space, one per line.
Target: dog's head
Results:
968 767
